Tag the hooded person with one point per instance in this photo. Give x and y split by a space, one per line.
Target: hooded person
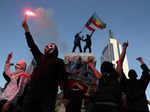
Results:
49 71
15 87
135 89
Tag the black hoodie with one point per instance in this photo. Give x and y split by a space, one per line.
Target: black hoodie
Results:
48 72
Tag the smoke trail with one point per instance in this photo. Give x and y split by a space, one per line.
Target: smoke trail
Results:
45 31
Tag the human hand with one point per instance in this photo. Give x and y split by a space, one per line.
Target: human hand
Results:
125 44
10 55
25 26
139 59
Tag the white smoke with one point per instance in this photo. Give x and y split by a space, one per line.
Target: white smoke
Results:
45 31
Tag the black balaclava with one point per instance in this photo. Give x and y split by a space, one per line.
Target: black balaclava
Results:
132 74
51 50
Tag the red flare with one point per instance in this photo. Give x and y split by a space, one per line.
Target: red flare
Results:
27 14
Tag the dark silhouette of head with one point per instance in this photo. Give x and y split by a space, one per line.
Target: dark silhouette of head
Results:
51 50
107 67
78 34
132 74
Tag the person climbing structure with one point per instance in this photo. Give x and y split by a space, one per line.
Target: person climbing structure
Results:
77 42
88 41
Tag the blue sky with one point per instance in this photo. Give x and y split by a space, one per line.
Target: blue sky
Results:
128 19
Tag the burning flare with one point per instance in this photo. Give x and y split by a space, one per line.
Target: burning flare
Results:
27 14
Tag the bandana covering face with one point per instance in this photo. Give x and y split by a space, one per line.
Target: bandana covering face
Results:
21 65
50 48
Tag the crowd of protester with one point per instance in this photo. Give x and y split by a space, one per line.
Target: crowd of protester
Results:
38 92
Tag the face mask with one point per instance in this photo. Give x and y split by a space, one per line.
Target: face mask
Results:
50 48
20 65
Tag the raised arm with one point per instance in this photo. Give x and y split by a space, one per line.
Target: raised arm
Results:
92 33
121 58
95 71
7 71
33 47
145 74
143 65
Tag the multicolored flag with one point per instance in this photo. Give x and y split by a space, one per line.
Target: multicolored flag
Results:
90 26
94 22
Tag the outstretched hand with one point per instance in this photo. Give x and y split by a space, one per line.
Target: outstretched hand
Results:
140 60
125 44
10 55
25 26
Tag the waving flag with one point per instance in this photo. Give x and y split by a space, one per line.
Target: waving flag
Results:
90 26
94 22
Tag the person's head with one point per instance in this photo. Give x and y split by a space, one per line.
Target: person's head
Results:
77 34
51 50
132 74
107 67
21 65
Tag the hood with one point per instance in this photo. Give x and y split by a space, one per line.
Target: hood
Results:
51 50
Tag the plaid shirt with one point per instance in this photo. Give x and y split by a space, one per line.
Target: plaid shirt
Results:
16 86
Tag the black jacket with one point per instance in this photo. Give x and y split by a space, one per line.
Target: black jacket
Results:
109 91
48 73
135 90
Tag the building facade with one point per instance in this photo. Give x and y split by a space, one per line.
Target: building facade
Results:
112 52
